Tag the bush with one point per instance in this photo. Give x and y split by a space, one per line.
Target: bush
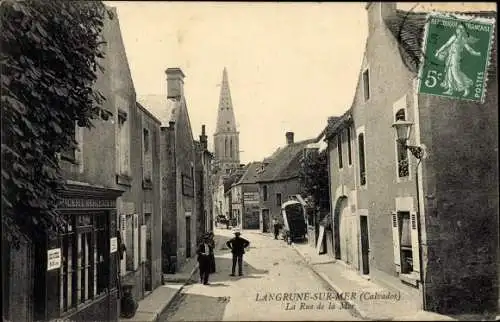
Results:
49 61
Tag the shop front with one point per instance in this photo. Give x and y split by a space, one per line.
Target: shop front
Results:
77 271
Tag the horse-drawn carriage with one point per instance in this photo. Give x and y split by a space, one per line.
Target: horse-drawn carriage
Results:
295 222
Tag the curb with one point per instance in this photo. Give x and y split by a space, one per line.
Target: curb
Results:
353 308
188 280
167 303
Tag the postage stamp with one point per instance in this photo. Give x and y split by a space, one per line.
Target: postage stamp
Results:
456 55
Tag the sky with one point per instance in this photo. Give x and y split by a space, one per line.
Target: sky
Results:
290 65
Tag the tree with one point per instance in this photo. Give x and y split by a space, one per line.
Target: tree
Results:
314 179
50 53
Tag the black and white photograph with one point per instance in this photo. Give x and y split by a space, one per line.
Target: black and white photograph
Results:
249 161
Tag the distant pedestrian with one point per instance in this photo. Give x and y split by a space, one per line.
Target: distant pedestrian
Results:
237 246
276 226
211 237
204 252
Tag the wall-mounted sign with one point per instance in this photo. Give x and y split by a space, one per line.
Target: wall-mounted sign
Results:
188 213
251 197
53 258
187 186
87 203
113 244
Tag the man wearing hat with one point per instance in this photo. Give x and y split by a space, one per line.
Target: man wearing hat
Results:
237 246
204 251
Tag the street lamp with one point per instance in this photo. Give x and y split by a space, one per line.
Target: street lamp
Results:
403 130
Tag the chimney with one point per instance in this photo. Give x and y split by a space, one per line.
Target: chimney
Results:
378 12
175 83
203 138
289 137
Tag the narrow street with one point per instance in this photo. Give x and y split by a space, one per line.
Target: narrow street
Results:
270 267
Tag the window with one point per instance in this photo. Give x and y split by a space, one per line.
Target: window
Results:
146 140
226 147
366 85
75 154
70 153
264 193
231 147
362 165
85 256
147 158
349 152
123 145
130 234
339 149
405 242
278 199
401 152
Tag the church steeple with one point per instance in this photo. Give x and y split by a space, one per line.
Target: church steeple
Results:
225 116
226 137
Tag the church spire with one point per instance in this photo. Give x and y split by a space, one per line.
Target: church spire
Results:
226 136
225 116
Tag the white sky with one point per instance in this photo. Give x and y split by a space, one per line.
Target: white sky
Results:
290 65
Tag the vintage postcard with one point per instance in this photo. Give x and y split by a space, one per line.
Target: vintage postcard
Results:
249 161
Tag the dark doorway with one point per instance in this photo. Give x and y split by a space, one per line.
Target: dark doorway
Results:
336 234
265 220
188 237
148 278
365 245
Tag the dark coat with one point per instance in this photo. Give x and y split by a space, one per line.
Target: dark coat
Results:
237 245
201 249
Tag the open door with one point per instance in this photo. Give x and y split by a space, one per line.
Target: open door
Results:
365 245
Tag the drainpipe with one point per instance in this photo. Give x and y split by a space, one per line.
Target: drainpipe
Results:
419 233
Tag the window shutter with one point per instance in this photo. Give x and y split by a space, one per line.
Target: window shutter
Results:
143 243
414 242
123 229
395 241
135 227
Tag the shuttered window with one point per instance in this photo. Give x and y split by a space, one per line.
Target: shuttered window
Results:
362 165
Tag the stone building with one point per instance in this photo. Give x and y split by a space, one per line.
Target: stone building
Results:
204 177
443 247
279 179
179 185
75 275
245 198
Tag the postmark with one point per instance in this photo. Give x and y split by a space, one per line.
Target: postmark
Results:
456 55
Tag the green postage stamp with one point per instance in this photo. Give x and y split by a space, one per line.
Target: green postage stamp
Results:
456 55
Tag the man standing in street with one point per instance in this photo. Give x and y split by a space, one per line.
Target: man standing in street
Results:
276 227
204 252
237 246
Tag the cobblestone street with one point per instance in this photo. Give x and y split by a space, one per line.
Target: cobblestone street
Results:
270 267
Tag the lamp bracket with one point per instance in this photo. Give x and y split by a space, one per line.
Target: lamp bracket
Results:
417 151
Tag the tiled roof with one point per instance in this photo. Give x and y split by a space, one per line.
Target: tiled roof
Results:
229 181
336 123
283 164
408 29
251 174
162 108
